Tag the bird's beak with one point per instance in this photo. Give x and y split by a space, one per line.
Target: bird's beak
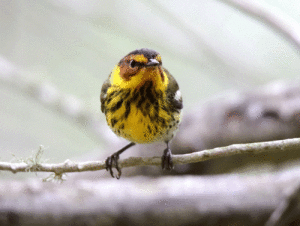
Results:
152 62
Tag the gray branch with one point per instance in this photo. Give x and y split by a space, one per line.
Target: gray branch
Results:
271 16
184 200
69 166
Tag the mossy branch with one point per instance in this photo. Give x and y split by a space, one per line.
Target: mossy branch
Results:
69 166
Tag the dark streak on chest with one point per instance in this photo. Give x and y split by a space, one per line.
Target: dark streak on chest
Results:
143 98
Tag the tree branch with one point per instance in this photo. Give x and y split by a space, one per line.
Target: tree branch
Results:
69 166
269 15
288 208
233 199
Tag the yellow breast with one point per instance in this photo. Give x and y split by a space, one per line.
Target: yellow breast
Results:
137 107
140 116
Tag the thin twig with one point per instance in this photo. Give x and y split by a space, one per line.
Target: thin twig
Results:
69 166
278 21
288 208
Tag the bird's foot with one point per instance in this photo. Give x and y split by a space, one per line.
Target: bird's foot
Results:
166 160
112 161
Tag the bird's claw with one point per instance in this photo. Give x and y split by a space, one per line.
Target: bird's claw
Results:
112 161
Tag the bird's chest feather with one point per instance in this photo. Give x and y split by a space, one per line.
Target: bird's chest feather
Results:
141 116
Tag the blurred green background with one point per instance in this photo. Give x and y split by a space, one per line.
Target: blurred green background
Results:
69 48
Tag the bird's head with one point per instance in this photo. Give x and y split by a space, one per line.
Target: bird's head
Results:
137 67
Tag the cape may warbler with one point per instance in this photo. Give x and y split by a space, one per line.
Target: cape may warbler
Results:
142 103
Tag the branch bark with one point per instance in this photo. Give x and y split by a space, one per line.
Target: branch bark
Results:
69 166
178 200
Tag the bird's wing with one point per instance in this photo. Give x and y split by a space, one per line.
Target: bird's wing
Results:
173 92
103 94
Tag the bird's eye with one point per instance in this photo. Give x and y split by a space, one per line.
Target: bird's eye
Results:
133 63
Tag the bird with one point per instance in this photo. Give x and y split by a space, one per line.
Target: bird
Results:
142 103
